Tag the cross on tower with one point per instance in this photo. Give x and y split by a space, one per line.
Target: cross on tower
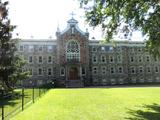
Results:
72 14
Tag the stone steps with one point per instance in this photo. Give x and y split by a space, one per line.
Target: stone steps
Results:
74 84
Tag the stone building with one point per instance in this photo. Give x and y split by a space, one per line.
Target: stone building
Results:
72 60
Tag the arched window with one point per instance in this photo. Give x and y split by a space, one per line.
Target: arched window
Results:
73 51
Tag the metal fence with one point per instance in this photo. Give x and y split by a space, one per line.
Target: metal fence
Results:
13 102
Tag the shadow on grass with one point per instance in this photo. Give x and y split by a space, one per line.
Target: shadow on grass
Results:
149 112
13 100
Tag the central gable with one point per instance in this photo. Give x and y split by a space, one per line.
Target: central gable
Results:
72 32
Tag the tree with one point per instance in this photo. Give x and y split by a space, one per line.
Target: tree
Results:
143 15
10 62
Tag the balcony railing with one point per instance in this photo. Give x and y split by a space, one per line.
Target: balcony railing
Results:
73 60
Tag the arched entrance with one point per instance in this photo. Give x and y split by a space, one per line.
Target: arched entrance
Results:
73 73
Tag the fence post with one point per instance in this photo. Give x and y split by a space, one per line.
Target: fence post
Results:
33 94
22 98
2 103
39 92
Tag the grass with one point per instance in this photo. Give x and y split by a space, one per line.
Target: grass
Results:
96 104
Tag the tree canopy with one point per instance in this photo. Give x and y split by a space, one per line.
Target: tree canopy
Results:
143 15
10 62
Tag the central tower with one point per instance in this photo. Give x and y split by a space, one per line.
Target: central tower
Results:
73 56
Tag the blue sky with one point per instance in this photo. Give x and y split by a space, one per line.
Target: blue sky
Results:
39 18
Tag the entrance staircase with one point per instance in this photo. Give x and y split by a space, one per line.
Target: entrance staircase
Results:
74 84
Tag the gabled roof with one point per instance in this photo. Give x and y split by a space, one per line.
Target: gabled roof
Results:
72 22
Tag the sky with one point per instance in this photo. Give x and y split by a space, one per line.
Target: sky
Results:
38 19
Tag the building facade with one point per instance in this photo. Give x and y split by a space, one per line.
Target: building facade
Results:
72 60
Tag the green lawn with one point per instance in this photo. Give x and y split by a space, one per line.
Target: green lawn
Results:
96 104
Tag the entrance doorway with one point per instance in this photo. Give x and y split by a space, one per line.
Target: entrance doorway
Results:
73 73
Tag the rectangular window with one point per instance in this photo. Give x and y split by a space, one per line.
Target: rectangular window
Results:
111 59
21 48
31 71
40 71
30 59
40 59
31 48
139 49
95 70
148 69
40 48
140 69
119 49
94 59
140 59
148 58
83 71
131 49
156 69
94 49
120 69
131 59
62 71
103 70
119 58
49 48
103 59
49 71
133 70
102 48
112 70
110 48
49 59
